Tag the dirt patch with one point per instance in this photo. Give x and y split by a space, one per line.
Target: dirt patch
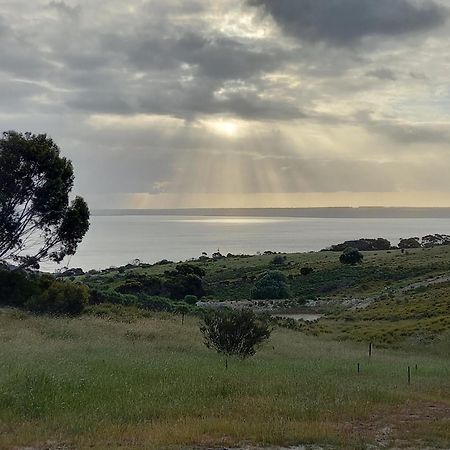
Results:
396 428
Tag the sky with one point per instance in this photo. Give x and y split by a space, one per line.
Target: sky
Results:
236 103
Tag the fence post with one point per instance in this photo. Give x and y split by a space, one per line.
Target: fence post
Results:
409 375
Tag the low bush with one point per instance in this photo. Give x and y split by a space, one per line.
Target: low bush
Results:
351 256
305 271
278 260
61 297
100 296
272 285
191 299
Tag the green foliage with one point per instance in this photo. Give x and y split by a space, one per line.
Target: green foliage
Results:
305 271
189 269
363 245
351 256
272 285
185 280
61 297
191 299
176 284
278 260
100 296
409 243
15 288
42 293
155 303
232 332
34 201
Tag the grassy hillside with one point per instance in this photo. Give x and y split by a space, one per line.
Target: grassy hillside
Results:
406 296
151 383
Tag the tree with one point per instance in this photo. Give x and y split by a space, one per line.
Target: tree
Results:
232 332
37 221
409 243
272 285
351 256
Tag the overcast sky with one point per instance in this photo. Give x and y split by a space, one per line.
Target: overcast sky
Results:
172 103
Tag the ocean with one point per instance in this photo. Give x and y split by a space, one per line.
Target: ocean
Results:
117 240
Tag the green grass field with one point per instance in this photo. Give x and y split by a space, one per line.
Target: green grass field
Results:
151 383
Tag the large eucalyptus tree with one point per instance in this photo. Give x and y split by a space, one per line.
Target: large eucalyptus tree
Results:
38 222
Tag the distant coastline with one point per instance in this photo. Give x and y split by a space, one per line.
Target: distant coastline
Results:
335 213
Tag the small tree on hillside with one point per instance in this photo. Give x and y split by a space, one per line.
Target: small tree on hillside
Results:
236 333
351 256
37 221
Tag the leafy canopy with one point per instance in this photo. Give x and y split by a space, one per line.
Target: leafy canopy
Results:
37 221
234 332
272 285
351 256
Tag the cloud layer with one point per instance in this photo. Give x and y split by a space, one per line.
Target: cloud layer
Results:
233 96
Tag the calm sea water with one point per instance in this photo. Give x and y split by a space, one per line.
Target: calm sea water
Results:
117 240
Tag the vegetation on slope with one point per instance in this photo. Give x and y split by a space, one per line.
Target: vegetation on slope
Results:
151 383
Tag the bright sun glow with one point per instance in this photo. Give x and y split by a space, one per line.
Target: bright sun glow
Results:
225 127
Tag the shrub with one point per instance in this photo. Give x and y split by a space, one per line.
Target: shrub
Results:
305 271
178 284
155 303
232 332
16 288
351 256
272 285
191 299
188 269
409 243
278 260
60 298
363 245
100 296
130 287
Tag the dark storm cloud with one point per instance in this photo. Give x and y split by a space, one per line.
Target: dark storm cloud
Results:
345 22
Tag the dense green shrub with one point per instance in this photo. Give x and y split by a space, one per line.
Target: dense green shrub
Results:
61 297
176 284
272 285
278 260
305 271
155 303
130 287
191 299
351 256
363 245
233 332
409 243
17 287
189 269
42 293
100 296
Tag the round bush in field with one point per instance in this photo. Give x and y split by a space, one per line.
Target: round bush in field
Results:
351 256
232 332
60 297
191 299
305 271
272 285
